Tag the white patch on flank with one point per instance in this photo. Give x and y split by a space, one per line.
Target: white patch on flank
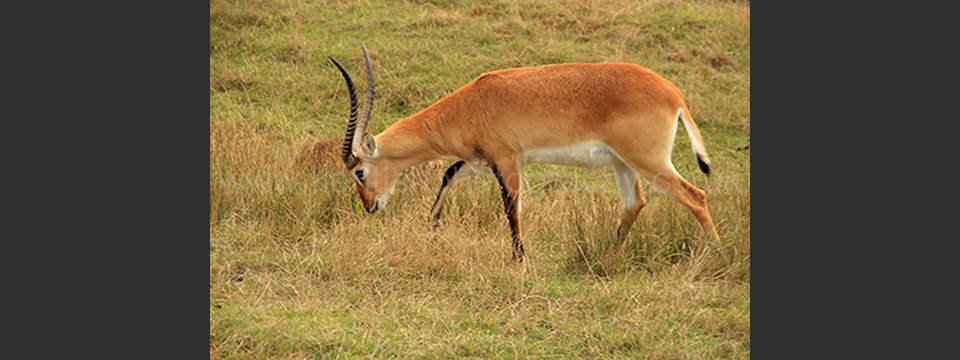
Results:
591 154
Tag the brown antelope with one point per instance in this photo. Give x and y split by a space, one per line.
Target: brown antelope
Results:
320 154
615 115
325 153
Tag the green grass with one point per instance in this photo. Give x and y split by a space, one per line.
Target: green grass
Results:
299 270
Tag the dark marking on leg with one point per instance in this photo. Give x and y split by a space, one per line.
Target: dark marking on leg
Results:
447 181
510 207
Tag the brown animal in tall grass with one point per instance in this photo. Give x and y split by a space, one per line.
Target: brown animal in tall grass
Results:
612 115
322 154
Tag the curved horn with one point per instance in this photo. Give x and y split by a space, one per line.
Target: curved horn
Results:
347 150
367 104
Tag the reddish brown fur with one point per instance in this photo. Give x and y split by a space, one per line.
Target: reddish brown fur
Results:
323 153
501 114
508 111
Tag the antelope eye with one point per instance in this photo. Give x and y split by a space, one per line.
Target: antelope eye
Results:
359 174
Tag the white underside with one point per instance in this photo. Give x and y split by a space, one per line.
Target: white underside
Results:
591 155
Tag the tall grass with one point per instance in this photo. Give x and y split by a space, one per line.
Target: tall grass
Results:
298 269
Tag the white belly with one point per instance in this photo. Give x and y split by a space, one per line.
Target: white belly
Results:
591 154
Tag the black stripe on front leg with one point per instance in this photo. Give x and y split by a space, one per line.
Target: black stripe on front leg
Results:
510 207
447 180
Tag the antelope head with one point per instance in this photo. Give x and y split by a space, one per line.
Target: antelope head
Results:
375 177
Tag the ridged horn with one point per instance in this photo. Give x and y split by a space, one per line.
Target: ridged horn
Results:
367 104
347 149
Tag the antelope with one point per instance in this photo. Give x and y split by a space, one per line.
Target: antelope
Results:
607 115
325 153
320 154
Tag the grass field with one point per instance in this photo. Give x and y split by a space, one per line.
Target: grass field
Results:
299 270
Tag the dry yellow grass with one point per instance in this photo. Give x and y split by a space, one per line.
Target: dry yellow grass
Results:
299 270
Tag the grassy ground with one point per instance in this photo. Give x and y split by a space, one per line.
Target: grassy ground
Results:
299 270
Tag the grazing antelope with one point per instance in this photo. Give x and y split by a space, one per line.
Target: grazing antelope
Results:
325 153
615 115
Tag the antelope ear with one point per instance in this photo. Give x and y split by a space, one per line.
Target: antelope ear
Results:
369 146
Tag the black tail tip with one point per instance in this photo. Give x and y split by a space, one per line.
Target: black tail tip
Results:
703 166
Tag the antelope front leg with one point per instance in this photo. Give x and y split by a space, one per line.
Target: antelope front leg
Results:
508 175
448 178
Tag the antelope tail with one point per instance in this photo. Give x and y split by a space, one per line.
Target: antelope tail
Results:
697 143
